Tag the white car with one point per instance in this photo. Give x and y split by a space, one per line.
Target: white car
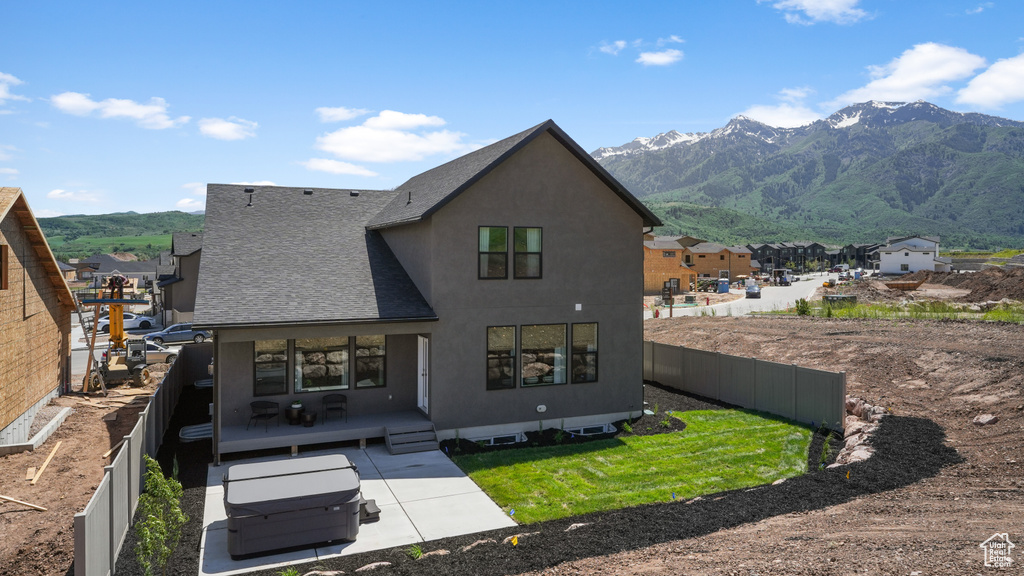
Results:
131 321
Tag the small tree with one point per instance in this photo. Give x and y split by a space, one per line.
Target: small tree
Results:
161 520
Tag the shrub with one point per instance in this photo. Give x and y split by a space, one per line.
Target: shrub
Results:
803 307
159 529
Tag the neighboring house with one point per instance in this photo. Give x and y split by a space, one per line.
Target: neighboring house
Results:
907 254
179 290
104 265
711 260
863 256
663 263
69 272
483 296
796 255
35 319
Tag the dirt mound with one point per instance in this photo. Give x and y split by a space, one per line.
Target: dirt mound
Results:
988 284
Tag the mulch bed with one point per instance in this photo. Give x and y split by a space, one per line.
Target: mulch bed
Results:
907 450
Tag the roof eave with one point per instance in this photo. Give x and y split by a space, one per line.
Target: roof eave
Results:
333 322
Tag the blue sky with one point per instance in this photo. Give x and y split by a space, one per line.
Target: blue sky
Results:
115 106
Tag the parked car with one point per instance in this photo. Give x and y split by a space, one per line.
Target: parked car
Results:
131 321
179 333
156 354
753 291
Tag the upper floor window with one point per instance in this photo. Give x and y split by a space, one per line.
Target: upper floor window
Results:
741 255
721 256
493 252
669 253
527 248
687 259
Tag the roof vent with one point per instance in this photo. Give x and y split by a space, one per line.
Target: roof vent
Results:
353 193
249 191
307 192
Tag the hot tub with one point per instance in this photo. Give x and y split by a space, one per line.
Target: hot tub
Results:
290 503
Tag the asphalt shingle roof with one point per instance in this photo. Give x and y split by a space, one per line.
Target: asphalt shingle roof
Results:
297 258
185 243
424 194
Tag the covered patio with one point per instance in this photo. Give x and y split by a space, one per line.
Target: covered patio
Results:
277 433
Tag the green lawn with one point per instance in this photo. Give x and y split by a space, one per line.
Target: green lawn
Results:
719 450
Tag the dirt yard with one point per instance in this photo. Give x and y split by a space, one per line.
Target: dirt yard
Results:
43 543
948 372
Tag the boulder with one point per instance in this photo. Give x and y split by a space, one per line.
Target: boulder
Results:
313 357
985 419
337 357
859 456
536 370
850 403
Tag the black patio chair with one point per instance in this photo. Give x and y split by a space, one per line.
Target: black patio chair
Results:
337 403
264 410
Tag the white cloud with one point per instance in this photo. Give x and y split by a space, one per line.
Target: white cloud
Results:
47 213
231 129
612 48
391 120
673 39
1002 83
782 115
789 113
808 12
196 188
336 167
79 196
4 155
979 8
191 204
339 114
256 183
663 58
922 72
10 171
392 137
6 82
152 115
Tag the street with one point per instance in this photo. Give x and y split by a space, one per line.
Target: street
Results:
772 298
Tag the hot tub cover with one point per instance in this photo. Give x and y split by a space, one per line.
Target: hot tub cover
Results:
267 488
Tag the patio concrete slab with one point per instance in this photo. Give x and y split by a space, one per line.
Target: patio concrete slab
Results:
455 515
393 529
422 496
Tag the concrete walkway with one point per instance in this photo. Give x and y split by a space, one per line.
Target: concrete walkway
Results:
422 496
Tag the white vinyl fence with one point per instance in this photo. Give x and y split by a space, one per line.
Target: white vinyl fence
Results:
101 528
801 394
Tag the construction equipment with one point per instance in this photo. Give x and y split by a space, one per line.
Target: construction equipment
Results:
124 359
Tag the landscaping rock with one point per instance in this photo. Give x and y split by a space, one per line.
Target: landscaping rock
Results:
441 552
577 526
373 566
518 536
985 419
469 547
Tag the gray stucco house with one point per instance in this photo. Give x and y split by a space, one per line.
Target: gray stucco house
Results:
179 290
500 289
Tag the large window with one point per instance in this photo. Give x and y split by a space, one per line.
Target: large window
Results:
501 355
321 364
584 353
493 252
668 253
543 360
271 359
370 361
527 243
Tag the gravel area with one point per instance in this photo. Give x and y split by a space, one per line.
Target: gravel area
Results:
42 418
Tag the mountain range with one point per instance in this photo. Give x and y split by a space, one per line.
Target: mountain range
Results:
866 172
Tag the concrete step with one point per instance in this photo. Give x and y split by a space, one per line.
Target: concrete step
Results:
411 438
425 446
